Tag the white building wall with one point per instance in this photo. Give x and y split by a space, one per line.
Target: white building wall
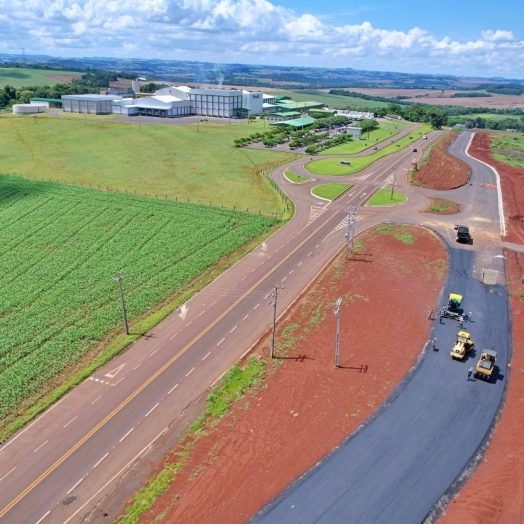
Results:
253 102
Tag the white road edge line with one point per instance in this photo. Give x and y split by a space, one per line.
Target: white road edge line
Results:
152 409
172 389
38 522
221 341
11 471
70 421
100 460
75 486
41 446
126 434
207 356
188 374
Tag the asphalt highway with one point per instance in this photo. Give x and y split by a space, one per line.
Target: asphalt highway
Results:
59 467
396 467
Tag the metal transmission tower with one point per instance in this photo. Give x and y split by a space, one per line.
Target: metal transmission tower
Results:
350 233
274 295
337 344
119 277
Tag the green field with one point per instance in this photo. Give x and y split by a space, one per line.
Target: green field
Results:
22 77
330 191
334 101
175 161
332 166
61 246
509 148
356 146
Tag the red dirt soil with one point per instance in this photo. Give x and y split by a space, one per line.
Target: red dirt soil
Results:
495 492
448 206
512 184
442 171
306 406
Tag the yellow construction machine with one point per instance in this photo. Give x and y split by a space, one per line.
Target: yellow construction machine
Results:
486 364
462 346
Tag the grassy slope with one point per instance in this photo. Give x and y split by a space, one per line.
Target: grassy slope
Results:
334 101
509 148
21 77
356 146
165 160
332 166
61 247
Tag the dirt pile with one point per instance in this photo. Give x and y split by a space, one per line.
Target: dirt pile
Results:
442 170
306 406
512 184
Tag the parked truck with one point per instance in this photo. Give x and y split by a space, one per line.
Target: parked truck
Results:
486 364
462 346
463 234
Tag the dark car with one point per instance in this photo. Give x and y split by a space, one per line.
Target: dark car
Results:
415 150
463 234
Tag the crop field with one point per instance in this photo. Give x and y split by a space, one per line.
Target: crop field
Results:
61 247
155 159
21 77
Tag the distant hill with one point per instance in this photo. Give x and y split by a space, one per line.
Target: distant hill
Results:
187 72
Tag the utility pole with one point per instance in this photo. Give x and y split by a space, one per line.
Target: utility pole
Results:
118 278
337 343
393 187
274 295
350 232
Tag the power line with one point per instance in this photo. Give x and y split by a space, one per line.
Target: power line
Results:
350 233
337 343
119 277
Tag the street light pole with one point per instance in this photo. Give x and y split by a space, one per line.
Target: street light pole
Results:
337 343
118 278
393 187
274 295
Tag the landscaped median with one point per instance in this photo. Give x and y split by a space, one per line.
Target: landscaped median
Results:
330 191
356 146
383 197
332 166
296 179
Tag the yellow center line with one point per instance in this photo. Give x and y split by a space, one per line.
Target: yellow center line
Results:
119 408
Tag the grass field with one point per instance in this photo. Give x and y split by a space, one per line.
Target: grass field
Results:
330 191
296 179
22 77
509 148
332 166
61 246
383 198
334 101
164 160
356 146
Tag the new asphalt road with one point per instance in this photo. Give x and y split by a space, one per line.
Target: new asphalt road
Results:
396 467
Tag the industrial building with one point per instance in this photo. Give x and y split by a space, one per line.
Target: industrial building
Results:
171 102
90 104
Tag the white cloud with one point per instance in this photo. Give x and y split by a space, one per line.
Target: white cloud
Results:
249 31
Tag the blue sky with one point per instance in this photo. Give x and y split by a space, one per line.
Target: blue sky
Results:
481 38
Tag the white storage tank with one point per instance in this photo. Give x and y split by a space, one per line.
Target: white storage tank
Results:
28 109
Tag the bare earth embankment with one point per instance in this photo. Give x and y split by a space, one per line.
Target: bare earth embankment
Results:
305 406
